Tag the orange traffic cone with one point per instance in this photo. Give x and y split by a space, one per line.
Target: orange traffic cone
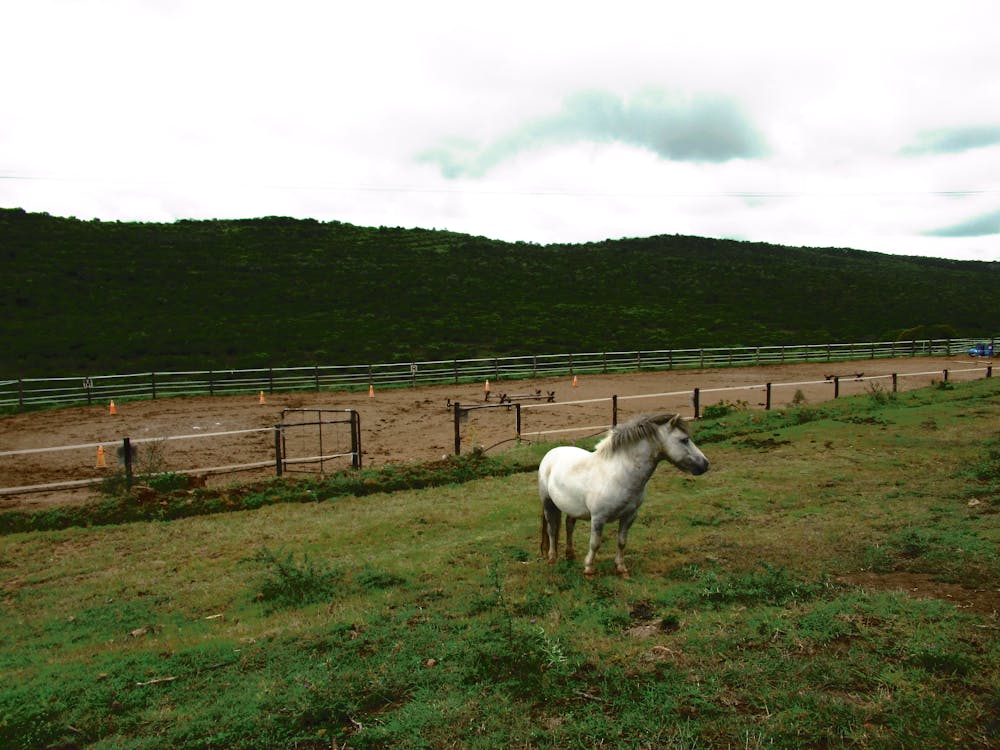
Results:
111 407
574 381
261 402
371 391
101 463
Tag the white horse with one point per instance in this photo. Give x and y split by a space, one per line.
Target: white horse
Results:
609 483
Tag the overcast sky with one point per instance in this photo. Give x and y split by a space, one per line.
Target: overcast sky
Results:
872 124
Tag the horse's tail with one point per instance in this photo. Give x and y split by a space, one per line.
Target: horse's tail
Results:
545 535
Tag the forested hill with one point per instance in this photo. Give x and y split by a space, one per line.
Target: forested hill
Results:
83 297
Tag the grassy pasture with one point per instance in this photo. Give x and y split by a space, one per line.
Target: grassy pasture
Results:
832 582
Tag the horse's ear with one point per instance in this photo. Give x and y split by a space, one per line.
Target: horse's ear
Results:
677 422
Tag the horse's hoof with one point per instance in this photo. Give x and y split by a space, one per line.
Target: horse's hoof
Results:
588 573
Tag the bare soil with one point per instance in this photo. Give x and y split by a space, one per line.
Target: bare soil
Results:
984 601
399 425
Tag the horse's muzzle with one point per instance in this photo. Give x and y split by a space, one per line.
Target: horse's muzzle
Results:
700 468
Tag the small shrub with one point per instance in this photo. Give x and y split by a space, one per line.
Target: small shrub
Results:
879 394
767 584
805 414
169 481
377 580
288 583
723 408
552 650
987 469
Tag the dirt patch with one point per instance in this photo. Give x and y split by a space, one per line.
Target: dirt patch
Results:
397 426
984 601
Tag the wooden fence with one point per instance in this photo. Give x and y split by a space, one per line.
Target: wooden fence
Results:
24 393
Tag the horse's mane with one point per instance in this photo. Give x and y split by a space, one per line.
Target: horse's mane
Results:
635 431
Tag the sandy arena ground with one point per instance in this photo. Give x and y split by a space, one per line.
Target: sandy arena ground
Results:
400 425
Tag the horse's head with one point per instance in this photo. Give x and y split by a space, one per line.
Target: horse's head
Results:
677 446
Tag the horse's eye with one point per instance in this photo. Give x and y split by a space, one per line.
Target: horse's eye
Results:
685 440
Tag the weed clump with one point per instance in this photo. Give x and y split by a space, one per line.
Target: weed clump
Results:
288 583
767 584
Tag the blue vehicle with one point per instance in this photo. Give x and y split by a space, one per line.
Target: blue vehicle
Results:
981 350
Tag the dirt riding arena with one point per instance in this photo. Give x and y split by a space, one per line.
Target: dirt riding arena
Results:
400 425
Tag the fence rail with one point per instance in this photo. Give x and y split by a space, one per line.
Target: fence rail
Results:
283 460
24 393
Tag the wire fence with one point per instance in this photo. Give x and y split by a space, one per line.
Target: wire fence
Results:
25 393
557 420
271 448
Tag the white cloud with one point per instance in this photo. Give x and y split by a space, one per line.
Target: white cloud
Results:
703 130
858 124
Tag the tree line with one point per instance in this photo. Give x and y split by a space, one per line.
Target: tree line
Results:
92 296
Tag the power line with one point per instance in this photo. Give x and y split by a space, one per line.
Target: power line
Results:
556 192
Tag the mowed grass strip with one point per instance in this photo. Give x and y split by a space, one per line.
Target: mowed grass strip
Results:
831 582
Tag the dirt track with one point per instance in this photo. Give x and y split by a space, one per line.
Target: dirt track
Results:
409 424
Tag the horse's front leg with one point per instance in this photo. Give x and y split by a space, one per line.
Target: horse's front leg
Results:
596 534
623 526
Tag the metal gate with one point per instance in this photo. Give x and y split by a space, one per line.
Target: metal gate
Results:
307 439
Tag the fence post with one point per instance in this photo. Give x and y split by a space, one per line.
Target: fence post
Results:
946 376
270 380
278 463
458 429
211 384
356 439
895 382
316 380
152 383
836 386
767 399
517 422
20 394
696 398
989 371
614 410
127 450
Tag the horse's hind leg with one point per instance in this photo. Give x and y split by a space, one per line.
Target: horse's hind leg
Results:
570 525
623 526
551 518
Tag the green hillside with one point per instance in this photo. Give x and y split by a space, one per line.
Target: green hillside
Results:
91 297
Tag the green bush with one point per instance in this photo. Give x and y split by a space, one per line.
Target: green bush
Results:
288 583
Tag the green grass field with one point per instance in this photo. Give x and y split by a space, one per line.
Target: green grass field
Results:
771 604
